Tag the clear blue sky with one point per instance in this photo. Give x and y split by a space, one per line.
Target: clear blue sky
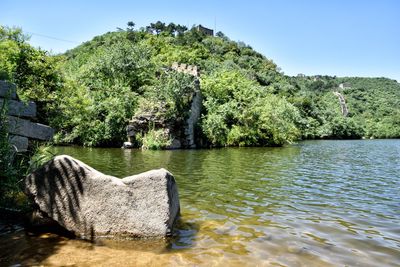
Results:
336 37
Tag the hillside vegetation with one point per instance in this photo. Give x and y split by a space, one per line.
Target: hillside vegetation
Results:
89 93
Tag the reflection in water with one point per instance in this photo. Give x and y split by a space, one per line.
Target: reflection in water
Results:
318 203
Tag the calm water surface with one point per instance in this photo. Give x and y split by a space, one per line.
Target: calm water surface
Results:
317 203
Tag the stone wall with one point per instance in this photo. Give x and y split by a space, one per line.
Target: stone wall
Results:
195 112
195 107
20 116
205 30
188 69
342 103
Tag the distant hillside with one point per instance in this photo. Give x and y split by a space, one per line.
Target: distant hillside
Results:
98 86
373 105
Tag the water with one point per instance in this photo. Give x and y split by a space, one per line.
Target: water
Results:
317 203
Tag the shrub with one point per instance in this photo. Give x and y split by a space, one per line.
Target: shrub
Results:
156 139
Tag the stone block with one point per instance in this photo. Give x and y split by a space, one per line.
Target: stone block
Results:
8 90
18 126
19 142
20 109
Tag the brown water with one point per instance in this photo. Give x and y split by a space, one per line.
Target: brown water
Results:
318 203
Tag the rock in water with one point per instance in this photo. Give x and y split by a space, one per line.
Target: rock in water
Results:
92 204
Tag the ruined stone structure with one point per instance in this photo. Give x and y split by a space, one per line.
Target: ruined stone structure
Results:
345 86
205 30
182 138
195 112
20 116
188 69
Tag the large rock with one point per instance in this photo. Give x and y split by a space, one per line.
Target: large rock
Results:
92 204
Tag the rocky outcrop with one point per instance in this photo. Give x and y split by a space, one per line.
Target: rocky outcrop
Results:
91 204
19 121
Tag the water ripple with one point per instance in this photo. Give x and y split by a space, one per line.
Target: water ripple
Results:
317 203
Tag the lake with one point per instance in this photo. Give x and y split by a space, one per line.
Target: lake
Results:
315 203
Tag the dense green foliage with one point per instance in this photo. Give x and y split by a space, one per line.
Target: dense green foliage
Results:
373 105
36 73
168 100
8 171
223 63
241 112
155 139
89 93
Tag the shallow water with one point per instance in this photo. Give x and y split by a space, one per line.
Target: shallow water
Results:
317 203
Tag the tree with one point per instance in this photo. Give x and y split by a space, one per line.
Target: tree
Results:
131 25
171 29
222 35
130 31
13 33
157 27
35 73
181 29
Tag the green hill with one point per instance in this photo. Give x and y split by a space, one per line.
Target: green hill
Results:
373 105
89 93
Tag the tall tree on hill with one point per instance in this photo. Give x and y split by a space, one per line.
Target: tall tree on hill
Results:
131 31
157 27
171 29
181 29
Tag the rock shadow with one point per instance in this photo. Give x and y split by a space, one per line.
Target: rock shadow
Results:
184 236
22 244
50 181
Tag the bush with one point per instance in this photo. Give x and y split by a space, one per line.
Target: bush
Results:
173 92
156 139
9 174
98 118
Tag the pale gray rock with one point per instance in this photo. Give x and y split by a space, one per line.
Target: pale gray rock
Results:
91 204
127 145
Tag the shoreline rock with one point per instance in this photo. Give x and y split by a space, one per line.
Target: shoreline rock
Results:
91 204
